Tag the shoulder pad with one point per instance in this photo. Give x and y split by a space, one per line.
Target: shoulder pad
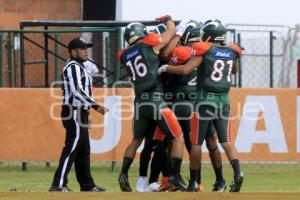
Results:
151 39
236 48
120 54
180 55
200 48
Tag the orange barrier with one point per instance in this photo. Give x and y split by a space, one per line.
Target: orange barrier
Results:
264 124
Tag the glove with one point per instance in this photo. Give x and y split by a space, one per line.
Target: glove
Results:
164 18
181 27
162 69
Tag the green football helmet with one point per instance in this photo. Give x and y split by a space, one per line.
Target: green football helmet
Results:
213 31
134 32
192 32
160 28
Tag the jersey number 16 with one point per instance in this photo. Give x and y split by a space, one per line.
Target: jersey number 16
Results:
137 67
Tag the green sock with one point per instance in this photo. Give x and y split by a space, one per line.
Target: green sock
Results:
219 174
175 166
193 174
126 165
235 163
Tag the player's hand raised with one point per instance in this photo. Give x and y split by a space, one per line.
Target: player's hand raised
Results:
164 18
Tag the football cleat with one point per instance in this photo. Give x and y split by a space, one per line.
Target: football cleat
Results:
178 182
237 183
95 189
219 186
164 188
124 183
59 189
152 187
200 188
141 183
193 186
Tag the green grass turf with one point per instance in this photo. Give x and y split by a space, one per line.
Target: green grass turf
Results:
258 177
149 196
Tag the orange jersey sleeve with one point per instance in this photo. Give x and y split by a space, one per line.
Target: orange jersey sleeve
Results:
119 54
151 39
236 48
180 55
200 48
158 135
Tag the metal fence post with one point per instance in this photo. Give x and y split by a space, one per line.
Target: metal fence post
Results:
271 59
56 61
9 59
240 62
117 76
119 45
46 58
107 55
15 52
22 56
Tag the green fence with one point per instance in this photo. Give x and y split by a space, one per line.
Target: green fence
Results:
34 58
9 58
270 55
34 55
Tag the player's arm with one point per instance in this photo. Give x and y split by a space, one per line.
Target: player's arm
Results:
235 66
187 68
119 58
180 29
238 51
166 51
198 51
167 35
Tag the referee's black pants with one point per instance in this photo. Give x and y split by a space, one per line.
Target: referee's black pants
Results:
76 149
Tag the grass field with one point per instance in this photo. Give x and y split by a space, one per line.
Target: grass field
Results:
258 177
148 196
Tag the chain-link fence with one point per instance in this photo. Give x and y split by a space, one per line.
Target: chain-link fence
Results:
270 55
292 56
35 55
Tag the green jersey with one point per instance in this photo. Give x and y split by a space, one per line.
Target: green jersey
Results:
183 86
214 74
142 63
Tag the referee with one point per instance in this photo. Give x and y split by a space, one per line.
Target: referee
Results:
77 101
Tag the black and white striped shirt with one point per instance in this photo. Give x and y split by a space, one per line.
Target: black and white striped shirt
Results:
77 86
